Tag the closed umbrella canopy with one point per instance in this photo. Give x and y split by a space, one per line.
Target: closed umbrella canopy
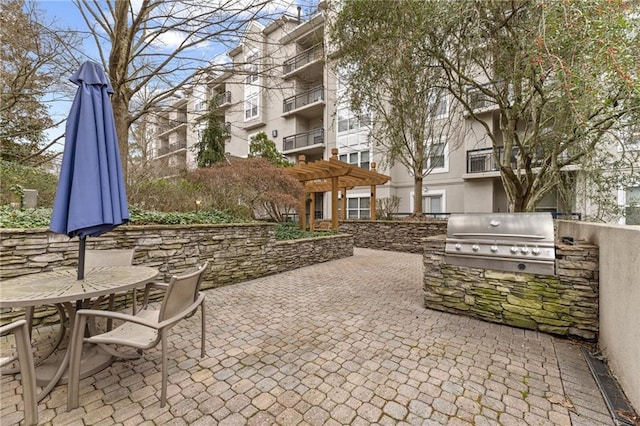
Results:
90 197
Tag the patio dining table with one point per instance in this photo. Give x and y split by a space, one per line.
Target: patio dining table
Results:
62 289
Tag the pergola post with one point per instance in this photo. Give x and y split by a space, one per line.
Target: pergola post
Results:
303 205
312 212
343 213
334 203
372 201
302 212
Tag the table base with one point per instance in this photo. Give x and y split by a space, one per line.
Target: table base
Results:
93 360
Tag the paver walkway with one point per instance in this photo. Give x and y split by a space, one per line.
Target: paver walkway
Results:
341 343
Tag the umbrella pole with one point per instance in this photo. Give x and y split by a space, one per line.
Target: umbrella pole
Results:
83 241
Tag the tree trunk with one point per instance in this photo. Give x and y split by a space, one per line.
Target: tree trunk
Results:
417 195
118 62
121 117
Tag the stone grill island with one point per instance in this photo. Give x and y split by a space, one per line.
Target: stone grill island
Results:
563 304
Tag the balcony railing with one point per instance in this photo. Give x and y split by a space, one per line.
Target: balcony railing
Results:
298 101
310 55
169 125
301 140
482 160
163 150
223 99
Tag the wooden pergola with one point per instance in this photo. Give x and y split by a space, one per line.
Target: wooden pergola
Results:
334 176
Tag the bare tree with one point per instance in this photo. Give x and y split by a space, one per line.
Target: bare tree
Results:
31 70
160 46
378 53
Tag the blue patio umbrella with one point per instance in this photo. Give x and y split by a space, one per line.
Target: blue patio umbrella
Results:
90 197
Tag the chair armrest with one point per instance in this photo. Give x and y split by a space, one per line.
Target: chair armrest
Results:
116 315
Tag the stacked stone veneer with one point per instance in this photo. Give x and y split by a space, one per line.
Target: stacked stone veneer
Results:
565 304
405 236
235 252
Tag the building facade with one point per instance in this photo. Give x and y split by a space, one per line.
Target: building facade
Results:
280 81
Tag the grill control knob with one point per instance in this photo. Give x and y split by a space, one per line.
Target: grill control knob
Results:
514 249
494 248
525 250
458 246
535 251
475 247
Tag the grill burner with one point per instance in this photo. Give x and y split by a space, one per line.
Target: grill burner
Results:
515 242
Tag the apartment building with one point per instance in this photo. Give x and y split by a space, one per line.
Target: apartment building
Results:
280 81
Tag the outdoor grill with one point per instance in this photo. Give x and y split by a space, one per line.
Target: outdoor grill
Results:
516 242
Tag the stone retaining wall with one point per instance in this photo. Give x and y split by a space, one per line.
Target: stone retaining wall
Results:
565 304
236 253
405 236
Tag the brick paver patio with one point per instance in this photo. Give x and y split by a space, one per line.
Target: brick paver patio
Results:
347 342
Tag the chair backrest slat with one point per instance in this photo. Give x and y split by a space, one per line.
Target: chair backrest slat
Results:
116 257
182 292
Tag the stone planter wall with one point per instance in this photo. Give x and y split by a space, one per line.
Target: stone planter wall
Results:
402 236
565 304
235 252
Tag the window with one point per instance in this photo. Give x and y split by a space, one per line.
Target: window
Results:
437 158
360 159
348 121
251 107
433 202
632 205
437 104
358 208
251 88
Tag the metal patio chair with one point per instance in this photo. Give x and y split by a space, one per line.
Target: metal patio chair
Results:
145 330
112 257
20 331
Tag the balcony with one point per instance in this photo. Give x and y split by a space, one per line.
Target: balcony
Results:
303 63
170 125
223 99
308 104
481 161
171 148
479 102
312 140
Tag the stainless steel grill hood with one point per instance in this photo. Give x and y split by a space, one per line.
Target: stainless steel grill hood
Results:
516 242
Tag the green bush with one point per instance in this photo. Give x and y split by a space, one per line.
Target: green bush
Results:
41 218
24 218
14 176
291 231
147 217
